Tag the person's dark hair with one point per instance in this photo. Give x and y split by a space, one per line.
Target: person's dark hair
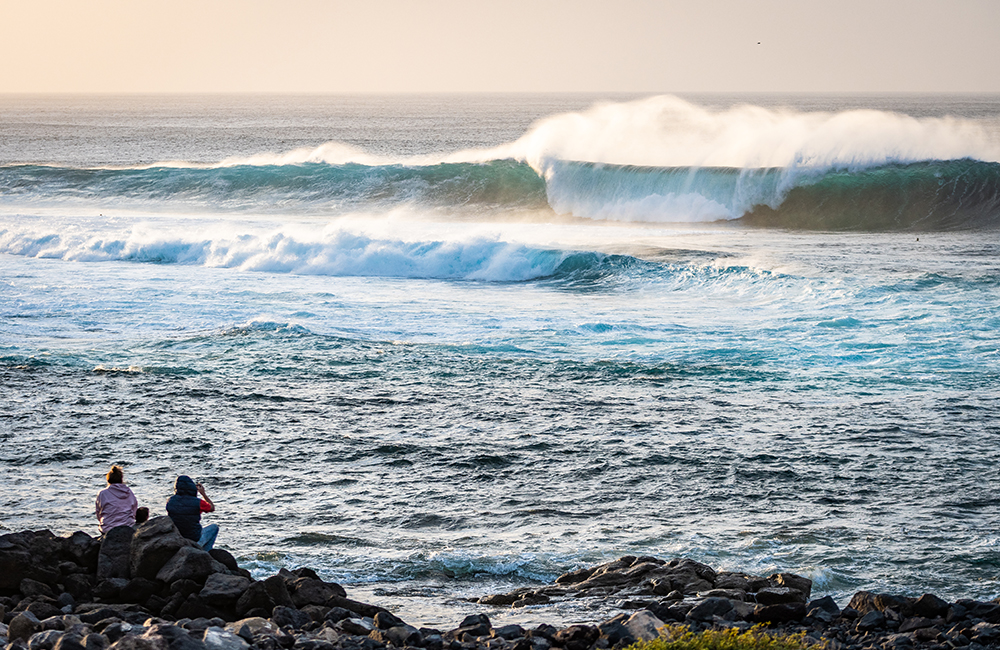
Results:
116 475
141 515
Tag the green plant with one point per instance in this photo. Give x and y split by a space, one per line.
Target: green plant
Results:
680 637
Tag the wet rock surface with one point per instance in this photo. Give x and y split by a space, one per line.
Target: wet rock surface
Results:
150 589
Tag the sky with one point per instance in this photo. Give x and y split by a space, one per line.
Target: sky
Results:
333 46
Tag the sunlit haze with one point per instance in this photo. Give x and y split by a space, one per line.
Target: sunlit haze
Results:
315 46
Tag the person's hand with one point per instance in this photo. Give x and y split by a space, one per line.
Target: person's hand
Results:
200 488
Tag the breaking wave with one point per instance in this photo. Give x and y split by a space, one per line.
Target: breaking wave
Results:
657 160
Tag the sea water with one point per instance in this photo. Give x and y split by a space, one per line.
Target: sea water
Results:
437 347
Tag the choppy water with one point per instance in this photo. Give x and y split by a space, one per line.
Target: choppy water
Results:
414 344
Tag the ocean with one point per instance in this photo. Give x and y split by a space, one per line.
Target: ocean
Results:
437 347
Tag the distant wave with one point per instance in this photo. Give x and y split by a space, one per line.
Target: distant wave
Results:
312 187
657 160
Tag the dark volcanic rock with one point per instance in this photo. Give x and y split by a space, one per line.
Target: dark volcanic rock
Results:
153 545
114 558
189 563
223 590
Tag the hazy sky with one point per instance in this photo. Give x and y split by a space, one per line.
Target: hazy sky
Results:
508 45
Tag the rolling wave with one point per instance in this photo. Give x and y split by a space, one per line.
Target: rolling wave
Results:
658 160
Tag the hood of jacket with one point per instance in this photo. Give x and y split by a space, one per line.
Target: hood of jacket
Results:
185 485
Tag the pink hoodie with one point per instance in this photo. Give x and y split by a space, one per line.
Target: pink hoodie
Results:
115 507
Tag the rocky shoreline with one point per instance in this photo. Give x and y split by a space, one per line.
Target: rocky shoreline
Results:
151 589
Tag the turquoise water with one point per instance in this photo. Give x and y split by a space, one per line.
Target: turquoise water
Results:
450 389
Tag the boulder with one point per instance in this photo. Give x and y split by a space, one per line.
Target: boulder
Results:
44 640
31 588
576 637
873 620
779 595
189 563
930 606
255 597
643 626
402 636
778 614
706 609
217 638
114 557
277 589
384 620
290 617
22 626
310 591
792 581
14 564
153 545
223 590
138 590
70 641
224 558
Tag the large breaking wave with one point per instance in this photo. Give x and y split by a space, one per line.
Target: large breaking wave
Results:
657 160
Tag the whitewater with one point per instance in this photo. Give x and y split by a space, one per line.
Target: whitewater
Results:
436 347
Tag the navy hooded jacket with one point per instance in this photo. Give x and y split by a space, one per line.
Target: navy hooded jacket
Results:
184 508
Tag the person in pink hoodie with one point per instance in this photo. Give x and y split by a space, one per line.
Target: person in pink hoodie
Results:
116 505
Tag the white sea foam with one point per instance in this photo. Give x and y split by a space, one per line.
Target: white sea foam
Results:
667 131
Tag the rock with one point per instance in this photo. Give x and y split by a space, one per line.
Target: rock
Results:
310 591
574 577
985 633
223 590
914 623
22 626
826 603
873 620
277 589
224 558
289 617
508 632
189 563
108 590
138 590
95 642
779 595
866 601
14 562
336 614
247 628
499 600
31 588
140 643
930 606
177 638
94 613
385 620
114 557
153 545
792 581
357 626
643 626
403 635
730 594
706 609
44 640
69 642
255 597
217 638
576 637
779 613
79 585
360 609
742 581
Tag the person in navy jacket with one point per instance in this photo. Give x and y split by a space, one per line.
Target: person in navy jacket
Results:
185 510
